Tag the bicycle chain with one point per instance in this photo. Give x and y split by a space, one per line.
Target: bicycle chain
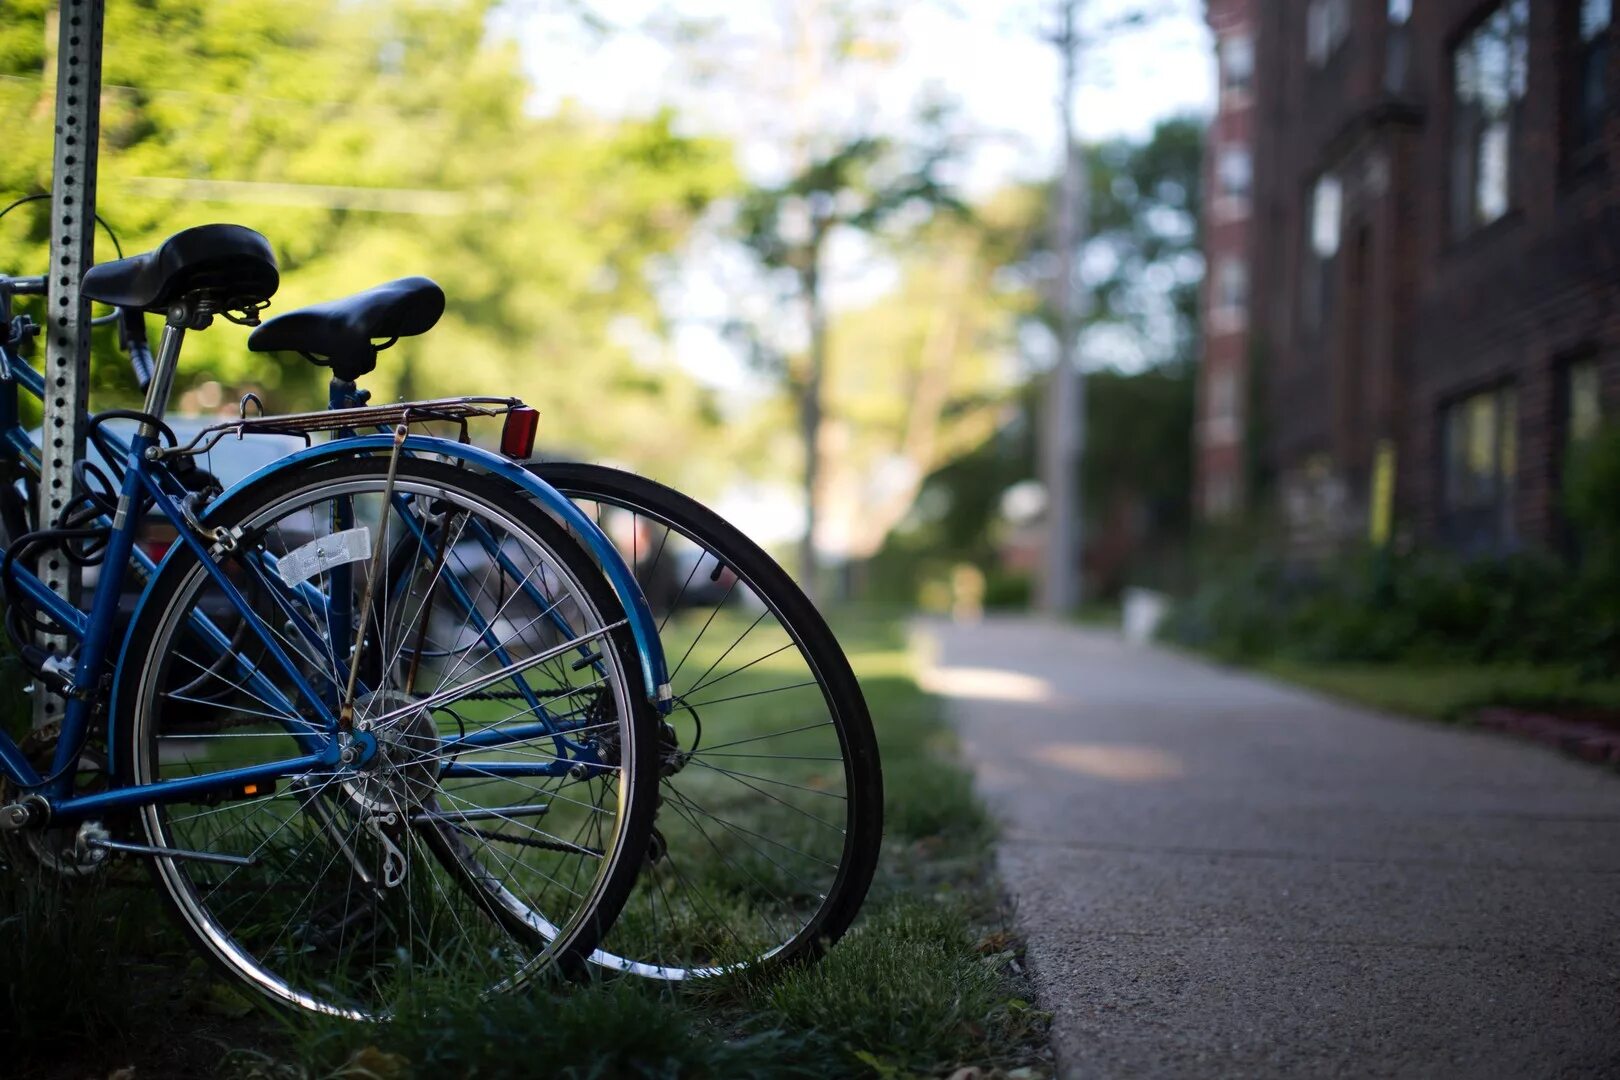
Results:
526 841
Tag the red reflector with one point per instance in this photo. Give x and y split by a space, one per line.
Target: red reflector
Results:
156 549
517 434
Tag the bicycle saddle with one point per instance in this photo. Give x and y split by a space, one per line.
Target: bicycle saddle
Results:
338 333
233 263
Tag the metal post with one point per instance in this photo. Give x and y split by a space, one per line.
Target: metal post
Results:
67 319
1063 429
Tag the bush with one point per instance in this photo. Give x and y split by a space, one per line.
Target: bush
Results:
1591 481
1423 606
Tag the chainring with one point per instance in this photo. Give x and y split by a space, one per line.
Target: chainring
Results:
56 850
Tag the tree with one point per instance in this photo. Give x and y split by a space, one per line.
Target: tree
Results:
379 138
858 186
1143 269
926 373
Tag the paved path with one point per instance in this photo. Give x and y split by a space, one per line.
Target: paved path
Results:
1220 876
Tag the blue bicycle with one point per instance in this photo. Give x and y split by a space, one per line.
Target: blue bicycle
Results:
393 708
381 710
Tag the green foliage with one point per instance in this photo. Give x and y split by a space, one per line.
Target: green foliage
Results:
1592 494
1138 461
72 960
1136 483
1428 607
905 992
371 140
1145 212
619 1029
1450 691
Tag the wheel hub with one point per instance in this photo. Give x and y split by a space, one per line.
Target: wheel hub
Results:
404 773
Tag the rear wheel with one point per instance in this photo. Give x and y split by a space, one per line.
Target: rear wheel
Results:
771 793
497 827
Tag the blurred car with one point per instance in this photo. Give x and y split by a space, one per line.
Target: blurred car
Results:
230 460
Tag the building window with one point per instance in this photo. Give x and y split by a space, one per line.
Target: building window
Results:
1237 64
1235 169
1589 96
1326 224
1327 216
1480 459
1327 25
1221 409
1398 47
1583 402
1220 495
1231 299
1490 72
1234 296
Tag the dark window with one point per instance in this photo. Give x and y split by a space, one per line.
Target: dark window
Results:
1327 25
1398 47
1583 399
1480 459
1589 92
1490 70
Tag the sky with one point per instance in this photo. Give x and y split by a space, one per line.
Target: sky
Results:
988 56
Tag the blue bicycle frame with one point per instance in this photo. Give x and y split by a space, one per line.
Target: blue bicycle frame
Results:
150 482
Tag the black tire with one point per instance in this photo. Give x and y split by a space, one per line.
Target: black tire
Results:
160 632
766 584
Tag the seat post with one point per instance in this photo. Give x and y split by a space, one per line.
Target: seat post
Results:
168 359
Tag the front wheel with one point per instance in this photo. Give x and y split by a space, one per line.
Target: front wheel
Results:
496 825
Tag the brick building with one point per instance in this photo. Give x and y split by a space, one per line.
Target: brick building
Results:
1434 262
1221 456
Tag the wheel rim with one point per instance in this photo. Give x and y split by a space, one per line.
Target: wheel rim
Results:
465 907
757 828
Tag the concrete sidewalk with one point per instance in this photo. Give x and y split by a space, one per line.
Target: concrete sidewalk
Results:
1220 876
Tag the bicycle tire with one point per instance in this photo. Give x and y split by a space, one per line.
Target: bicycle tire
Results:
765 581
419 790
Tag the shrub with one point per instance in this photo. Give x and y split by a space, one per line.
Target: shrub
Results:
1424 606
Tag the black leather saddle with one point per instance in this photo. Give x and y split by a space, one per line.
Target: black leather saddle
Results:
339 333
232 265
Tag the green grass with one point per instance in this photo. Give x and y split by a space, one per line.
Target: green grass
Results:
1448 692
926 982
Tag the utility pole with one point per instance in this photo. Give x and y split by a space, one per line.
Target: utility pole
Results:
807 57
1063 426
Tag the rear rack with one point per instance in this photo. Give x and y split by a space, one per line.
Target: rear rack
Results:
455 410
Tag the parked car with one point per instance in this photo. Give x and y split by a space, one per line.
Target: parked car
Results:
230 460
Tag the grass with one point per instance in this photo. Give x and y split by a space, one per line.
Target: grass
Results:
926 982
1448 692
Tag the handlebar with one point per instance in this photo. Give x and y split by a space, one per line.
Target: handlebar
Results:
131 323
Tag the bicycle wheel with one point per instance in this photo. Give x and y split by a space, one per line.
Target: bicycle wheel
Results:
770 816
350 886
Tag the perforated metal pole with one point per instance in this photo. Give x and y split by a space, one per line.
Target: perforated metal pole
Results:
67 322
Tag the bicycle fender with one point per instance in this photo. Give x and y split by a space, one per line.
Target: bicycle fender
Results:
644 628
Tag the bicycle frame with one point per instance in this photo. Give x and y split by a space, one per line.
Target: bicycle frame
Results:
326 747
